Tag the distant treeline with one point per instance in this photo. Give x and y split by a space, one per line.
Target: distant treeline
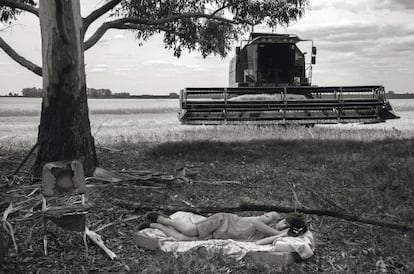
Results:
107 93
94 93
393 95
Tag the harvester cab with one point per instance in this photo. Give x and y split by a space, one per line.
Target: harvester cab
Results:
270 83
271 60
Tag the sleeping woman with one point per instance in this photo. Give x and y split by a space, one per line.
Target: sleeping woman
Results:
262 229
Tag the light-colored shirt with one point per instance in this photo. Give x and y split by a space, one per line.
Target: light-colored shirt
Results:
237 228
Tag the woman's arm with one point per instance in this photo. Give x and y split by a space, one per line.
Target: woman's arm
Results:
265 218
267 240
271 239
264 228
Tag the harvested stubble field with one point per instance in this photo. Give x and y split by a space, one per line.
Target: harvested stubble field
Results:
366 173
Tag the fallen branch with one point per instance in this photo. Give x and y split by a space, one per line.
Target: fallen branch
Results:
256 207
8 227
23 207
33 192
144 178
117 222
320 196
97 239
197 210
295 198
59 211
109 149
330 213
139 172
140 187
25 159
219 183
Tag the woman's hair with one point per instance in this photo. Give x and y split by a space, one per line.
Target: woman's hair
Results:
297 225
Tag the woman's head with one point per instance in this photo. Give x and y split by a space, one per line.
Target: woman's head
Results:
296 224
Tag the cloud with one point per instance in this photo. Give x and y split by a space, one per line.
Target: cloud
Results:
355 31
98 68
348 5
361 39
174 66
101 66
122 69
407 4
393 4
361 6
92 70
402 46
338 32
119 36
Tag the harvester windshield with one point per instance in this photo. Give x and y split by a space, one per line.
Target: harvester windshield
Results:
275 64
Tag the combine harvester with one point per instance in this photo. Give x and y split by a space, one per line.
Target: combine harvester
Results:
270 83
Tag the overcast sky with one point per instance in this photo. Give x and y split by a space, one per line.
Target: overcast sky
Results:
360 42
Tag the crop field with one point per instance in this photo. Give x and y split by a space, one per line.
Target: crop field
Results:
155 121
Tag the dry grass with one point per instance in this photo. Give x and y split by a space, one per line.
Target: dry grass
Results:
116 132
372 179
248 133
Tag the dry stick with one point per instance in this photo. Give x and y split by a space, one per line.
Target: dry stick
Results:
33 192
255 207
25 159
97 239
219 183
109 149
295 197
117 222
8 227
197 210
29 237
326 199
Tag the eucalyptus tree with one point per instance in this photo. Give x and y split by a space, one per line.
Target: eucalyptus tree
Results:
207 26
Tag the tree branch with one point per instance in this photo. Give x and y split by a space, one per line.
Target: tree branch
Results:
140 27
87 21
20 59
20 6
175 17
132 21
254 207
98 35
220 9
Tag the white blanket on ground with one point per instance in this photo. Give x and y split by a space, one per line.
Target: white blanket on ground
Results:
302 245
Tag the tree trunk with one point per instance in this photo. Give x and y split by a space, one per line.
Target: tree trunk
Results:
64 131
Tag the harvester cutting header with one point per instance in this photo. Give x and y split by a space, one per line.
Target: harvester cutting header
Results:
270 83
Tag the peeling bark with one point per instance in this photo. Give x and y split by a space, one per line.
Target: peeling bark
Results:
64 131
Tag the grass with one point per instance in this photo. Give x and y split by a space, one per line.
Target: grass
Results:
108 131
144 133
364 173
